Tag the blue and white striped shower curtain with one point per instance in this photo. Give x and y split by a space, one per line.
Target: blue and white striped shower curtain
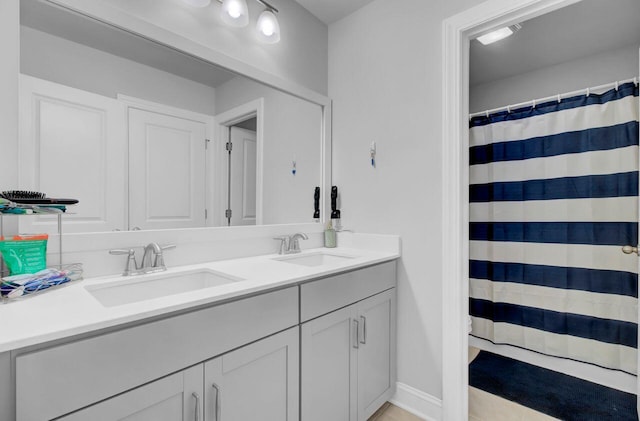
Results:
553 197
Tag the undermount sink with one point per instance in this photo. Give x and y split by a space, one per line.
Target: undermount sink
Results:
147 287
316 259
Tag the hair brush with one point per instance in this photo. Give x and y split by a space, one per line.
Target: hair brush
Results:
34 198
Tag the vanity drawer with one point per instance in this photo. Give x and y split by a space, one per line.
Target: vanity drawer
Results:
61 379
328 294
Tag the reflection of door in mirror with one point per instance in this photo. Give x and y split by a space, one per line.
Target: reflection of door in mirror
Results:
242 176
73 144
166 171
77 52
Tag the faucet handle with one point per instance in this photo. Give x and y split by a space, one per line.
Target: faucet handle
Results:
284 243
168 247
116 252
131 260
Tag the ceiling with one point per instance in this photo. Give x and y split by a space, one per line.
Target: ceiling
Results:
586 28
329 11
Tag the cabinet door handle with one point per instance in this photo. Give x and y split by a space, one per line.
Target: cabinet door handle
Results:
216 409
356 331
364 330
195 395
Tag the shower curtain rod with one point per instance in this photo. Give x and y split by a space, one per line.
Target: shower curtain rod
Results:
533 103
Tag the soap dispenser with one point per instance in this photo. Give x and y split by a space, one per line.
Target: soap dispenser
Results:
329 236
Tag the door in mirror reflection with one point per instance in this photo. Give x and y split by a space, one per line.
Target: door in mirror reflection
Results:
242 176
166 171
85 153
73 144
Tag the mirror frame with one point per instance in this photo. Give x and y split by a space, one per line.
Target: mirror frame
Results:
112 16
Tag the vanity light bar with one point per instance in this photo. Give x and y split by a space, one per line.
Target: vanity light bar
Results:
268 6
235 13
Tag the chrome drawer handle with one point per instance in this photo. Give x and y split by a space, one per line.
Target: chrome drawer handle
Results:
195 395
216 409
356 330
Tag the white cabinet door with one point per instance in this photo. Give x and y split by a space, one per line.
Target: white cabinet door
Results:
329 366
348 360
376 353
73 145
166 171
177 397
242 188
256 382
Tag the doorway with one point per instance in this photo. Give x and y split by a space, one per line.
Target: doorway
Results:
238 154
458 31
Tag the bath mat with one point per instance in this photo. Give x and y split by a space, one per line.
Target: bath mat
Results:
552 393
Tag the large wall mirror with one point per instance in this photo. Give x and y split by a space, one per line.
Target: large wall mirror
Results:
148 137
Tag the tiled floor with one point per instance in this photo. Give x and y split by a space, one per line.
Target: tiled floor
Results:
390 412
484 406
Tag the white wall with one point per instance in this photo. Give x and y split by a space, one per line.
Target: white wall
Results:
385 81
586 72
300 56
62 61
292 127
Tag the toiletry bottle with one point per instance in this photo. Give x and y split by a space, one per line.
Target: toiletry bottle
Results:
330 236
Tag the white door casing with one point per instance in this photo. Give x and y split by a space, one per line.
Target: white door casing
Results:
73 145
166 171
638 377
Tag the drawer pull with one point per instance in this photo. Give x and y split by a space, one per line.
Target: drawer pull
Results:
195 395
364 330
356 333
216 409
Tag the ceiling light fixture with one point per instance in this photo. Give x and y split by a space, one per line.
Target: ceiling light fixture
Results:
268 27
499 34
236 13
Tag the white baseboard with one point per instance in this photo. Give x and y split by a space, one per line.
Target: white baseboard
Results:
417 402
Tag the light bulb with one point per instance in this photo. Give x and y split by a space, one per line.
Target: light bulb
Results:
198 3
499 34
268 27
235 12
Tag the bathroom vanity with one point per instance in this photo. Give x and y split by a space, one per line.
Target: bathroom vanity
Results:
268 337
310 337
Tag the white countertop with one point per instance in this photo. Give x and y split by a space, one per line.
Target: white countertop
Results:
71 310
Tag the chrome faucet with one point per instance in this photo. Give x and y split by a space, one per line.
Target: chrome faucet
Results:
146 266
152 259
294 244
290 244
